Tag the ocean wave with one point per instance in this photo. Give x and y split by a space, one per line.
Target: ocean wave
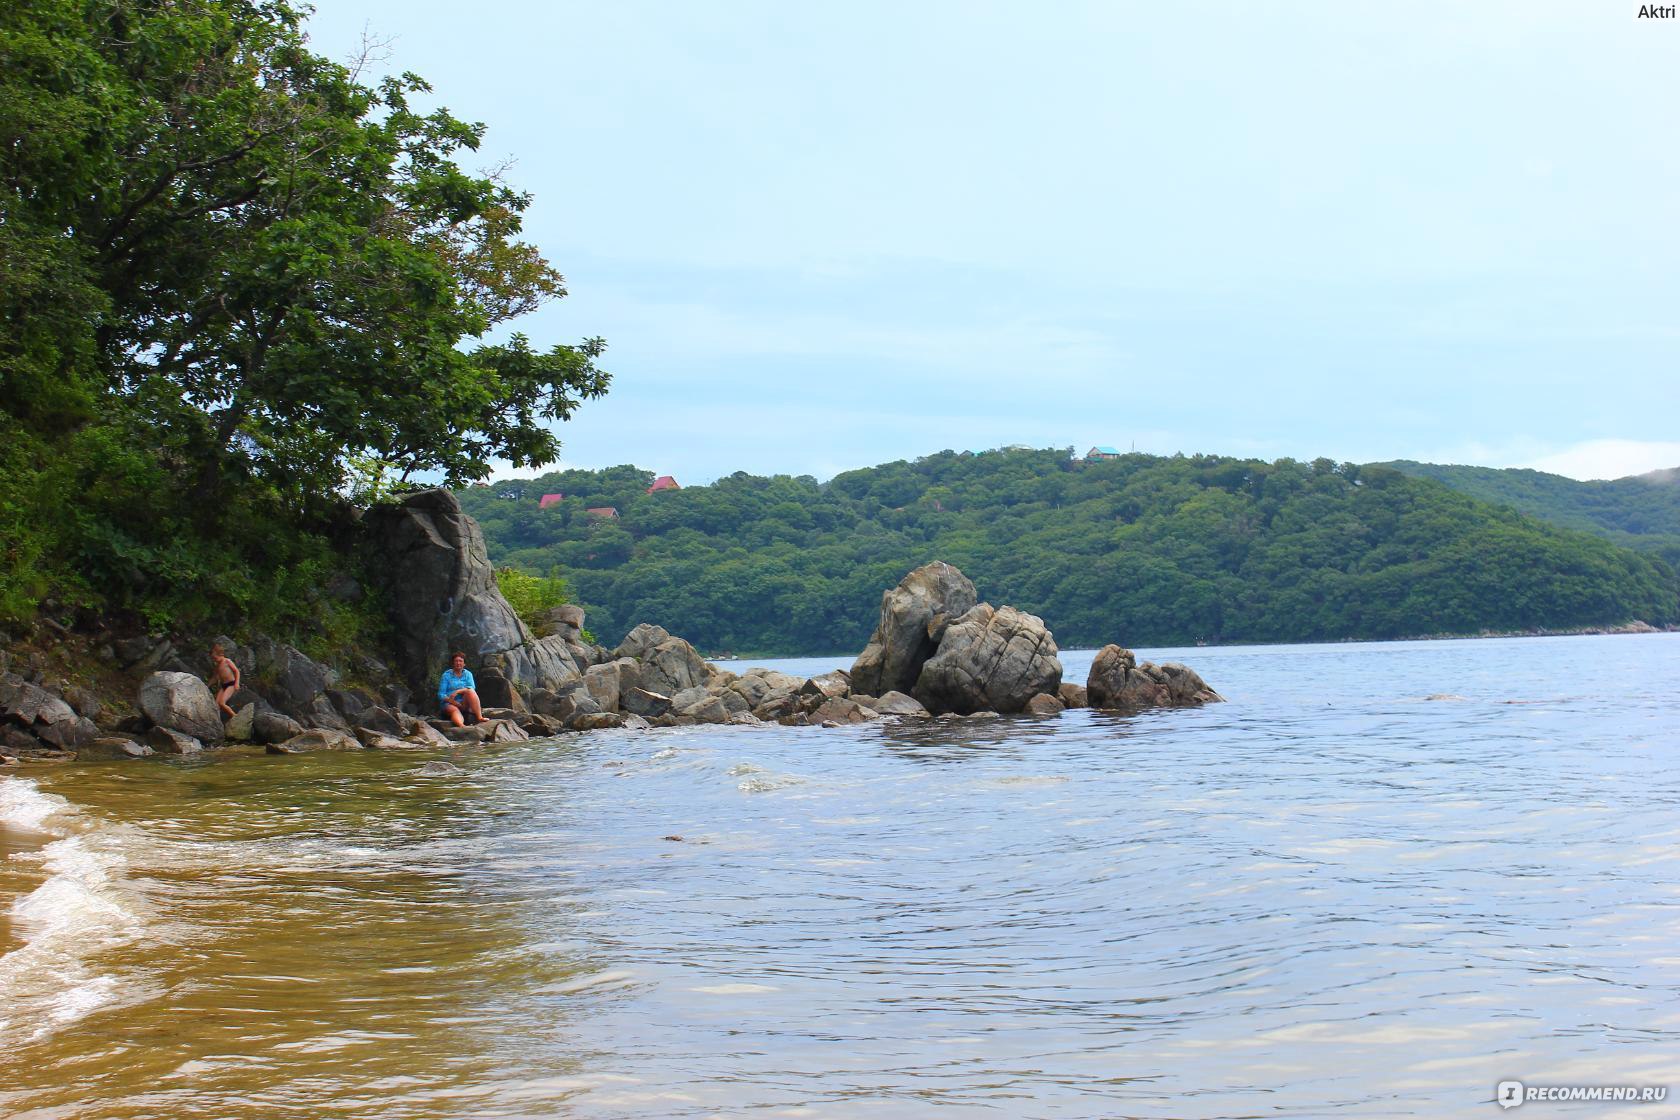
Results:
81 910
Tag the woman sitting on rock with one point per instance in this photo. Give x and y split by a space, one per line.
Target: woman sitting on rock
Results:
457 693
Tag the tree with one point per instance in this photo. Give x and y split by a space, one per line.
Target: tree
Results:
290 260
237 280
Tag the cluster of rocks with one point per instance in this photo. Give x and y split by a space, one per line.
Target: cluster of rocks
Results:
936 650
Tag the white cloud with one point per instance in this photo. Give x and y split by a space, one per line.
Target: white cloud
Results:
1608 458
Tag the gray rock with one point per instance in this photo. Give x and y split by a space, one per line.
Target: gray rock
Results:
1185 687
762 686
84 702
710 710
601 721
396 697
496 691
603 682
828 685
583 654
17 740
1118 682
563 706
539 726
838 710
913 617
644 703
269 726
744 719
242 726
70 734
165 740
29 704
1045 704
295 684
382 720
640 642
504 731
990 659
320 713
689 698
424 734
898 704
635 723
181 702
672 666
441 595
778 706
316 739
351 703
733 702
113 747
379 741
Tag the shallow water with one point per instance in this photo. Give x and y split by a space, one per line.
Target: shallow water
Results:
1378 881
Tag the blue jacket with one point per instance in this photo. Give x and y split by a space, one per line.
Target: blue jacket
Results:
453 682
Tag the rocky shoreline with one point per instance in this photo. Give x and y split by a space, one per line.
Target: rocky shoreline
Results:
936 651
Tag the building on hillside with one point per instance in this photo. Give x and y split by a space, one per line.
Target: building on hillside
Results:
1098 454
603 511
550 500
663 482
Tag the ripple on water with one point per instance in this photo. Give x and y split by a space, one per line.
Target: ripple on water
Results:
1366 886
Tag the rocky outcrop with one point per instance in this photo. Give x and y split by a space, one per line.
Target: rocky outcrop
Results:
181 702
913 619
665 664
36 721
1118 682
294 684
441 596
990 659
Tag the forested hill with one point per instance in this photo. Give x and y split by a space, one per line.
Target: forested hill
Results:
1143 550
1640 512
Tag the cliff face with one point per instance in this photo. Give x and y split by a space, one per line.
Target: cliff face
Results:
441 596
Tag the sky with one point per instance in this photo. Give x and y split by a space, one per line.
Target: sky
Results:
825 236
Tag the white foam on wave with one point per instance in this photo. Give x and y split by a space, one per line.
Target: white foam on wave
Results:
24 806
82 908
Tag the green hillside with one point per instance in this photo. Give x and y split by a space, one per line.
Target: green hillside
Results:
1144 550
1641 512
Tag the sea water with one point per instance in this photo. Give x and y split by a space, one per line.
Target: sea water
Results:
1377 881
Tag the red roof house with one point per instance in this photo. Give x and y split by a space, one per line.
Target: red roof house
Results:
602 511
550 500
664 482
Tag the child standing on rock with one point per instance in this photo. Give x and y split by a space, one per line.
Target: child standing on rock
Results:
224 678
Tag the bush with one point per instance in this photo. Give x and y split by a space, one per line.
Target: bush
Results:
531 596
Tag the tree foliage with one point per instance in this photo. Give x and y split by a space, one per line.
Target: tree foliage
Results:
1143 550
1641 512
252 271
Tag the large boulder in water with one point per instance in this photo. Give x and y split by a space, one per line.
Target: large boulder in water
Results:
990 659
181 702
441 595
913 617
1118 682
